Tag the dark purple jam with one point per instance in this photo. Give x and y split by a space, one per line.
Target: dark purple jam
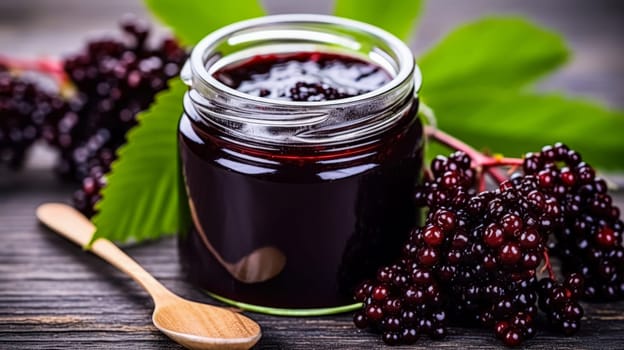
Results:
304 76
335 213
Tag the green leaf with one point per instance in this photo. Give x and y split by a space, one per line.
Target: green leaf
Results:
399 17
500 53
142 198
191 20
513 123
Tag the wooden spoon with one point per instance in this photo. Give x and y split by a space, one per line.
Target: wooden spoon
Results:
193 325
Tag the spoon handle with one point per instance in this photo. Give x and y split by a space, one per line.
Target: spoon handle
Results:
71 224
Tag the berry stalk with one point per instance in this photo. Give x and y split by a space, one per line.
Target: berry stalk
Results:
483 163
48 66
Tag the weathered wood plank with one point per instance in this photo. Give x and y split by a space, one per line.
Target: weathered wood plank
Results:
52 295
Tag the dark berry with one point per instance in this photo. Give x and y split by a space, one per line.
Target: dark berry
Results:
360 320
445 220
510 254
380 293
391 338
433 235
512 337
374 312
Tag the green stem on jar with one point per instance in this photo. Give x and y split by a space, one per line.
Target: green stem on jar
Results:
285 311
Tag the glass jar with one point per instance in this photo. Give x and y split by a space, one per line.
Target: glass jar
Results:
293 203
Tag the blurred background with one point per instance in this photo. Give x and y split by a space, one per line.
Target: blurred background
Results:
594 29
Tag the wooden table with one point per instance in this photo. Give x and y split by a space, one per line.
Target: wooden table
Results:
53 295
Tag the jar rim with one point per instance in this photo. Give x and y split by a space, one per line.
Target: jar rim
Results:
196 65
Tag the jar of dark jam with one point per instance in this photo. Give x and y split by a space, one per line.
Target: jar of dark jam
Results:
300 148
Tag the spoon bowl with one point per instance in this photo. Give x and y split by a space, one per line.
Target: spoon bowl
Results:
191 324
198 326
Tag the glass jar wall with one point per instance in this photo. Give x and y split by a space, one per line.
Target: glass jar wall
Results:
294 202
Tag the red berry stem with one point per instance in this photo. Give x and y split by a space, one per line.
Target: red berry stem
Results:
502 161
548 266
49 66
482 182
484 163
495 174
477 157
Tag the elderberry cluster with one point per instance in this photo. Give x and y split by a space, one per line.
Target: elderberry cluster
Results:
115 79
24 110
560 302
590 242
475 259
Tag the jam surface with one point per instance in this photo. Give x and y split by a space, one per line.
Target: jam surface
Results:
304 76
333 214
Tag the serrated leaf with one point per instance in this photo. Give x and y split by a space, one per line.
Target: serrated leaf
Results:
143 199
399 17
502 53
515 123
191 20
